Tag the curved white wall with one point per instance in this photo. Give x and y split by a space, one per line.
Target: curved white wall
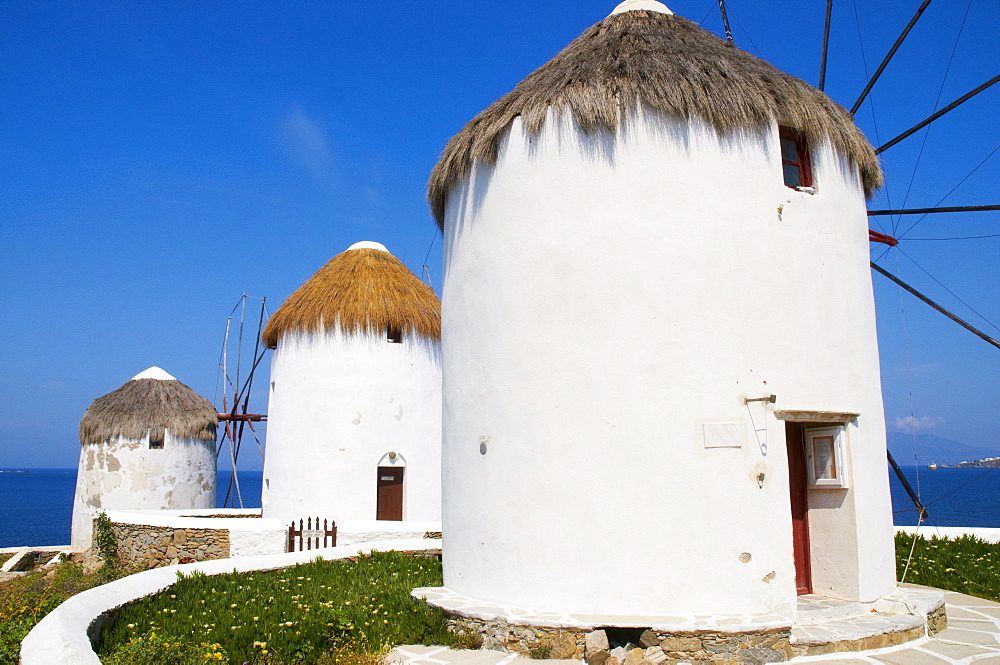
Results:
338 405
62 637
605 297
126 474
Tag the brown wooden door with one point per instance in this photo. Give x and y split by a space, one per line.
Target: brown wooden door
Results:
795 442
390 493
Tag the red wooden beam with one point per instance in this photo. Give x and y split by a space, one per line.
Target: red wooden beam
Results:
244 417
875 236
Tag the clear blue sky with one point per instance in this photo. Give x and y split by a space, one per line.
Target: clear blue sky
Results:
157 160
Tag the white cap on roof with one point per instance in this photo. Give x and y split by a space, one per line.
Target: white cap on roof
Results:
154 373
368 244
648 5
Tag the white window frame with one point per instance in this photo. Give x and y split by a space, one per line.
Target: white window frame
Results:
825 448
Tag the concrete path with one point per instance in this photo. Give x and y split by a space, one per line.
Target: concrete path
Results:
972 636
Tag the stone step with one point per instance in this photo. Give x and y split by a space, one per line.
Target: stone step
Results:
894 628
813 610
827 625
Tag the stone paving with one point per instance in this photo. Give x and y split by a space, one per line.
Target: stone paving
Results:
972 636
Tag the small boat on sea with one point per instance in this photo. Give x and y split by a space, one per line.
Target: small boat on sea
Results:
932 465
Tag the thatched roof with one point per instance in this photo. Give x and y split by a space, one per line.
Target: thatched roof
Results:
148 404
364 289
670 65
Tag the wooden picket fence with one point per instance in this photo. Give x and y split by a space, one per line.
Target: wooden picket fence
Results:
312 537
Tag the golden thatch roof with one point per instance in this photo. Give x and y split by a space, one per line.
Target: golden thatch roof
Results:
360 290
668 64
148 406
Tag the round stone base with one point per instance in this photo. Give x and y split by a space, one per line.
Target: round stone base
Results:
608 646
821 626
612 639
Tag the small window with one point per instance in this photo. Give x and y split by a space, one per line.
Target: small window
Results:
394 335
795 158
155 442
825 457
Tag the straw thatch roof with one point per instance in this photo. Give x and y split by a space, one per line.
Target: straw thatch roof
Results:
359 290
668 64
148 406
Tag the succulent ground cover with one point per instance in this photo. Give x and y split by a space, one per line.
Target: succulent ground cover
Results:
966 564
25 599
319 612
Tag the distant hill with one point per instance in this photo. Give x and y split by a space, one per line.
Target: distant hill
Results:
988 463
937 449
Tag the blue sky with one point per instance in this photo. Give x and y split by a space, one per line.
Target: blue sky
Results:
157 160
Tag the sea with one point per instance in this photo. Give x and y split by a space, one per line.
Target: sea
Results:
36 505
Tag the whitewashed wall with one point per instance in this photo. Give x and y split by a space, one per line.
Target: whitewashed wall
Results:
605 297
339 404
126 474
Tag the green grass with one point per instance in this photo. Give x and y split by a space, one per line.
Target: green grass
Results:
5 557
304 614
966 564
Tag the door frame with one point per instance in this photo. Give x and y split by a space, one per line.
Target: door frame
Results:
798 490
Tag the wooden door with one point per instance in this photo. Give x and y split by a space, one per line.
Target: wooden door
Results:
798 487
390 493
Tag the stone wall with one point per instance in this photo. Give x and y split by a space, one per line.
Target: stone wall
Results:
648 648
154 546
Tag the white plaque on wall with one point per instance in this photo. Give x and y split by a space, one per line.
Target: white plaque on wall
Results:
722 435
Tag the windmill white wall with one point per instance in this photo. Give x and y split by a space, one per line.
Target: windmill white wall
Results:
126 474
606 297
341 406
